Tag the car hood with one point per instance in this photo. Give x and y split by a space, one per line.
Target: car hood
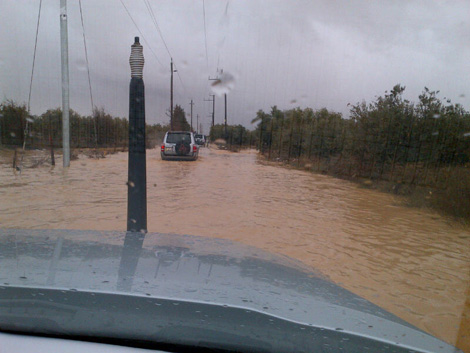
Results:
235 285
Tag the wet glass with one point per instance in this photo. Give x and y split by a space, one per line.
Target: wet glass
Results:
341 136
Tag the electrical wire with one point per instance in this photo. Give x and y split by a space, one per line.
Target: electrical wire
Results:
86 56
143 37
88 71
155 22
34 56
26 127
205 33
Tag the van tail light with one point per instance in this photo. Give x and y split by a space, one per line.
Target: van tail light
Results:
194 148
163 148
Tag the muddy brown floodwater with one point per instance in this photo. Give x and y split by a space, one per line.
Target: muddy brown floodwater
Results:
412 262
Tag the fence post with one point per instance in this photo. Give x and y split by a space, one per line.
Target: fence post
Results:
261 135
271 138
231 137
374 153
280 136
321 146
343 137
290 137
52 151
14 158
417 157
433 146
397 146
407 150
332 143
300 142
387 141
456 144
443 144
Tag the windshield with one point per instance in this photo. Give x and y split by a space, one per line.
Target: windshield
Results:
330 137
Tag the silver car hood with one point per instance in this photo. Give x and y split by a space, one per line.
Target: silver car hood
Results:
199 279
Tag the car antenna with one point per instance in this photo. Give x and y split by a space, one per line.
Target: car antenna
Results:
137 172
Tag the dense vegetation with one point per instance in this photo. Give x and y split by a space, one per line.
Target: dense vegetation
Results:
389 138
424 144
234 135
99 130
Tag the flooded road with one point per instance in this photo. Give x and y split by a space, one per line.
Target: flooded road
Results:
412 262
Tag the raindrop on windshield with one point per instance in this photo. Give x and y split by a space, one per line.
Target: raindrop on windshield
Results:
223 84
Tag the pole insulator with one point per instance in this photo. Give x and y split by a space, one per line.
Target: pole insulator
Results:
136 60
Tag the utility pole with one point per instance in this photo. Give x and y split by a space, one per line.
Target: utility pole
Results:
64 54
213 110
191 104
171 94
225 100
213 107
197 123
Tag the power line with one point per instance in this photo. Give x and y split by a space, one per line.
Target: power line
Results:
34 57
88 71
86 56
155 22
146 41
205 32
179 77
25 133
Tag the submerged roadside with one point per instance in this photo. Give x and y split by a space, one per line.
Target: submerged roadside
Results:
452 200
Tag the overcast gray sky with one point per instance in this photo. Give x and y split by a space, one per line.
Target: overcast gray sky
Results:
322 53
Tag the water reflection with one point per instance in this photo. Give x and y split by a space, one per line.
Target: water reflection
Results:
131 250
218 277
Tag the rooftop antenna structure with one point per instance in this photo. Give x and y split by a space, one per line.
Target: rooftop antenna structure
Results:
64 54
137 170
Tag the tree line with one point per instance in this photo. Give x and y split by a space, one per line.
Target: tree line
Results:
234 135
390 138
101 129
